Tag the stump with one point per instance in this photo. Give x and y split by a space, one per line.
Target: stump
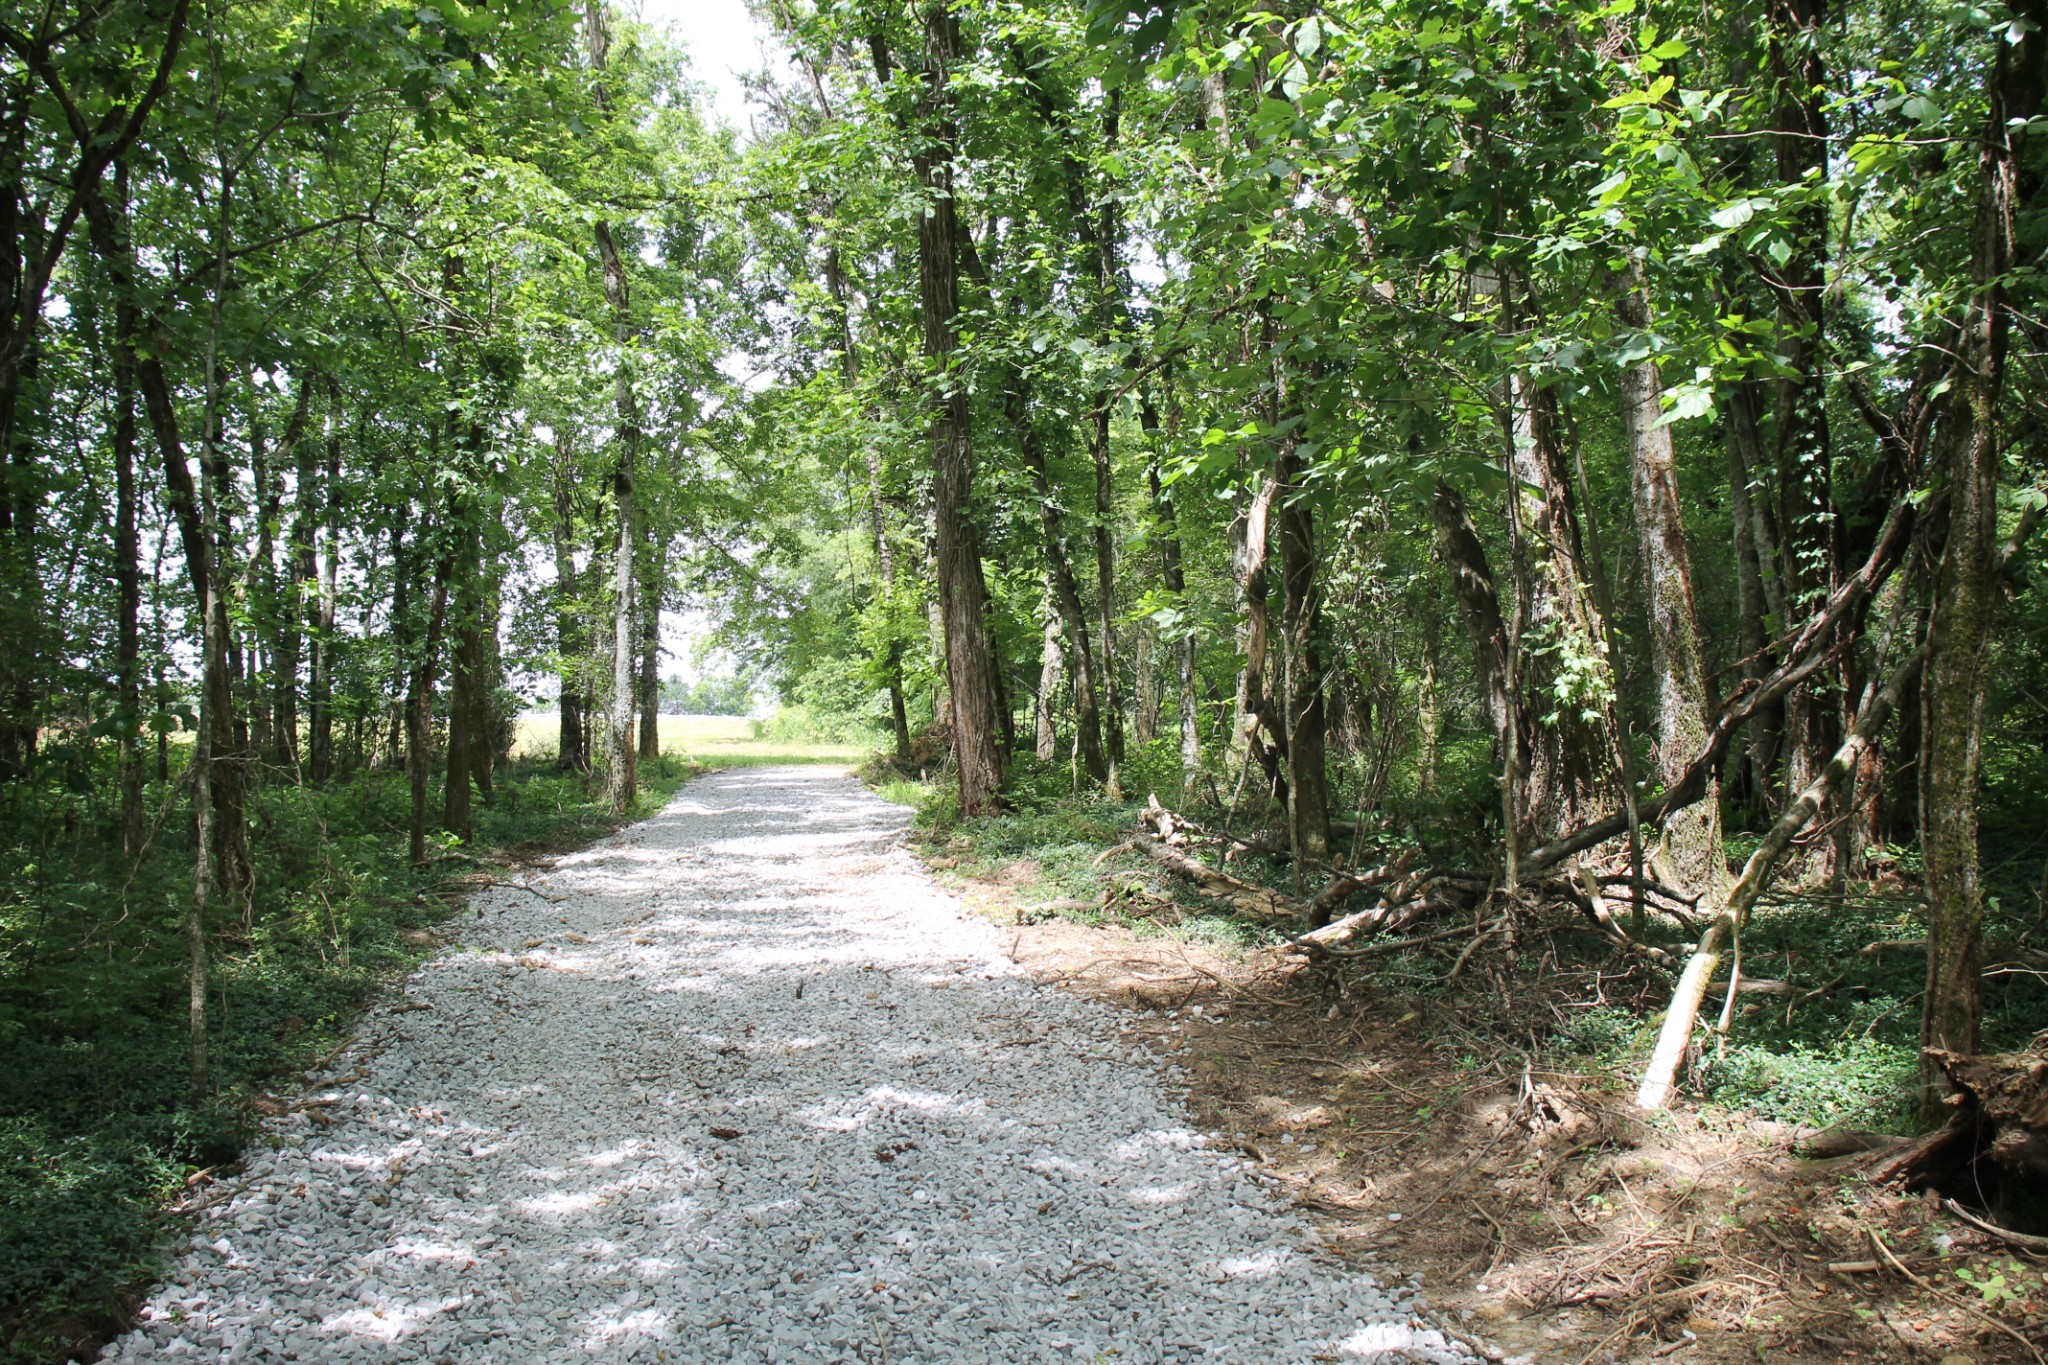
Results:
1994 1147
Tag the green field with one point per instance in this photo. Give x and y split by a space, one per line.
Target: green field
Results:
715 741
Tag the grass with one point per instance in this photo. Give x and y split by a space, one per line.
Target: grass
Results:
710 741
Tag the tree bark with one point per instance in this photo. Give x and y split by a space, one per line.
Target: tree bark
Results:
650 651
962 588
1692 836
622 777
1308 786
419 710
1805 455
287 592
1052 662
320 686
1063 587
1742 435
1173 578
127 546
467 751
1968 581
1567 769
1676 1033
569 642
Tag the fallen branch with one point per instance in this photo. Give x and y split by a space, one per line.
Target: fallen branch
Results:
2026 1241
1207 881
1676 1034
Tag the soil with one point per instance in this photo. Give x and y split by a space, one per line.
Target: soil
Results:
1547 1218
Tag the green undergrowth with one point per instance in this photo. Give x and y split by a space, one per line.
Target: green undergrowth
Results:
1838 1046
1048 845
98 1130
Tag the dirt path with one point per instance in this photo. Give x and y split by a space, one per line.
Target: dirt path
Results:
740 1084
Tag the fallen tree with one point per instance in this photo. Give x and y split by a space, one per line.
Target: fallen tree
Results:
1676 1035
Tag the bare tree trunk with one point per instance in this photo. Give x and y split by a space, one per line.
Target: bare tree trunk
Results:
1692 837
1145 667
1105 595
1568 768
127 546
1676 1033
1174 579
1255 710
1052 662
320 687
1308 806
466 750
650 652
1741 424
304 579
1063 587
622 784
569 642
1472 583
419 712
1969 577
956 543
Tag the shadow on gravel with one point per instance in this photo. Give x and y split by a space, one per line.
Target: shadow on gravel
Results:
741 1085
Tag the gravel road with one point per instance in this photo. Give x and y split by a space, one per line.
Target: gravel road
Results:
740 1084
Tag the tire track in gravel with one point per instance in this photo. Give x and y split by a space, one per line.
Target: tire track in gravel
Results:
750 1088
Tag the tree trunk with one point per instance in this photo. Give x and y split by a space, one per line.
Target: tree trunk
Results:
622 782
1263 733
1052 662
1472 584
622 777
1805 455
127 552
1063 588
1308 806
1174 579
419 711
1969 578
1741 423
466 748
1660 1073
569 644
970 669
1692 837
650 651
320 687
1567 763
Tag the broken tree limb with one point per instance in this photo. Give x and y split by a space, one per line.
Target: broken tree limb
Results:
1676 1035
1159 828
1243 896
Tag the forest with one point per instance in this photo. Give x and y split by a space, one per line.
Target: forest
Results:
1413 481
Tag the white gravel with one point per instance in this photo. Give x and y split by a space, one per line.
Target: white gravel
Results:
764 1093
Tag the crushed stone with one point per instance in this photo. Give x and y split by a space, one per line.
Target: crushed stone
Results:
741 1084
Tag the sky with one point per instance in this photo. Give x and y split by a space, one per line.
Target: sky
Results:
722 39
